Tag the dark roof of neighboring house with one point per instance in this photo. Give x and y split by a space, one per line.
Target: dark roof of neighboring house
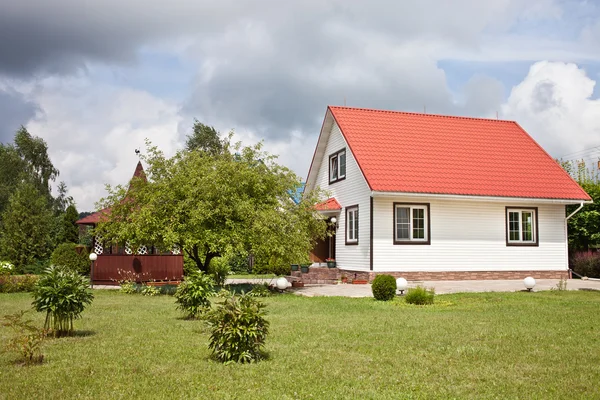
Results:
435 154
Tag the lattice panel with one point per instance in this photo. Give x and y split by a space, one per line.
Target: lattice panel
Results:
98 247
142 250
128 248
176 250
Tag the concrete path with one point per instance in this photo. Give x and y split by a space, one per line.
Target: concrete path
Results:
442 287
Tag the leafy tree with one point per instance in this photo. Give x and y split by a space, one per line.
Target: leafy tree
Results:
37 164
584 227
69 231
211 204
27 225
204 138
62 200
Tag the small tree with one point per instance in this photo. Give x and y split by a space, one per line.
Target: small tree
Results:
239 330
63 295
27 224
193 294
69 231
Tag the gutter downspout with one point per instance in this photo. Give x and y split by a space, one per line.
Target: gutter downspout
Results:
567 233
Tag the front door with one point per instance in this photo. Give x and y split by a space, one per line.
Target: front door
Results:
325 248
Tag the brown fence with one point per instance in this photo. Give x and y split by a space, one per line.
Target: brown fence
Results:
109 268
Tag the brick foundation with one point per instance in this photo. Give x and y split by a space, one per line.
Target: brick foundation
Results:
320 275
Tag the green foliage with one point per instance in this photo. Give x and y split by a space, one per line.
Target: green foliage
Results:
66 255
586 264
204 138
27 340
128 287
210 205
27 226
420 296
193 294
260 290
69 231
238 330
275 265
17 283
63 295
6 268
149 290
219 270
384 287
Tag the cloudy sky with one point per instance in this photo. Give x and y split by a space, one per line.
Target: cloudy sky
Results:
94 78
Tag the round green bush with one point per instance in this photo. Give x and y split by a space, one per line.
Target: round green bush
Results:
384 287
66 256
193 294
419 296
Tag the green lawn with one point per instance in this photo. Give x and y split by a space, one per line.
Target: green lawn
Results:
514 345
251 276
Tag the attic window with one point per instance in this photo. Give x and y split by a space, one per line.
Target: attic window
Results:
337 166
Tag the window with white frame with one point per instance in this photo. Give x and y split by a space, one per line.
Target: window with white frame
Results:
411 223
352 225
521 226
337 166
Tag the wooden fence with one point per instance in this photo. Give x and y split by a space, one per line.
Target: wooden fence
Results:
110 268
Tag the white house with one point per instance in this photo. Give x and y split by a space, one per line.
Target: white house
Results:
438 197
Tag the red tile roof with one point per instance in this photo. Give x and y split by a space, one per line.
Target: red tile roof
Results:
329 204
425 153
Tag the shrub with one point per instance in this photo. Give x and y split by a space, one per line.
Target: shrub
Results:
384 287
260 290
238 330
128 287
586 264
28 338
6 268
192 295
148 290
66 255
420 296
36 268
63 294
17 283
219 270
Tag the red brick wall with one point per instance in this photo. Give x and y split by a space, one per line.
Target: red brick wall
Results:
320 275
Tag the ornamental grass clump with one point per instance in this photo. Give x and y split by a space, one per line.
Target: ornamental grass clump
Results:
193 294
238 330
63 295
420 296
384 287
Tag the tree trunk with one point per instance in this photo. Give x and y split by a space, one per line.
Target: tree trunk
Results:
202 266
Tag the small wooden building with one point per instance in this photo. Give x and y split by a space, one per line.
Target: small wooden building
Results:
120 262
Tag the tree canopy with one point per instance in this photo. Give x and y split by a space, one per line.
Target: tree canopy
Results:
210 204
204 138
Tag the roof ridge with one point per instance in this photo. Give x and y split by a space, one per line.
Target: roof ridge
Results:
423 114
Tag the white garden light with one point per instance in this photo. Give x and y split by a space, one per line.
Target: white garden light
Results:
93 257
529 283
281 283
401 285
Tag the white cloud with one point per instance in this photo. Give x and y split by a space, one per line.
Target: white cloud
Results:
554 104
93 129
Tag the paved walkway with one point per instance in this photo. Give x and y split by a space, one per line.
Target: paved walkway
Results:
442 287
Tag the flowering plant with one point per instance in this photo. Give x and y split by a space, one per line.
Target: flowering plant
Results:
330 260
6 268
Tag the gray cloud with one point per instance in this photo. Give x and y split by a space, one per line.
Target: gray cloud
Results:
15 111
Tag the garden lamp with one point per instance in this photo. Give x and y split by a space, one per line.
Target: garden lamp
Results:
281 283
401 285
529 283
93 257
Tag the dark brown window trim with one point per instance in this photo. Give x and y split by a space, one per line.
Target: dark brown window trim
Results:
412 242
352 243
336 154
536 234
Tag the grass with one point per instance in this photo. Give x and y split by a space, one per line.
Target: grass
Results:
489 345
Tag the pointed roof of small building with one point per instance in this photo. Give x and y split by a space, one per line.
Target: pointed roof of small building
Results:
94 218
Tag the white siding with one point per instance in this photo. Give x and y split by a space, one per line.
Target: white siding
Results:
468 236
348 192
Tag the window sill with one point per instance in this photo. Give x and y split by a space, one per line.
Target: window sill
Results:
417 242
337 180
